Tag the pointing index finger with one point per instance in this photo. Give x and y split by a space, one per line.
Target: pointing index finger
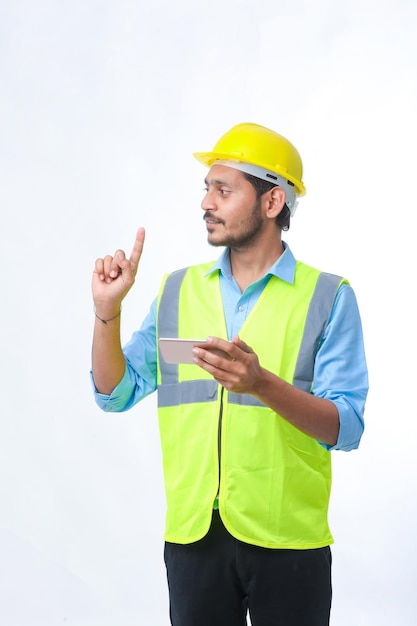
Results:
137 248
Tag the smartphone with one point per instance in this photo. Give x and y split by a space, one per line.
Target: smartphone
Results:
179 350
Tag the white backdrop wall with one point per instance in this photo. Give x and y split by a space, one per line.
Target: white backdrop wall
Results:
102 104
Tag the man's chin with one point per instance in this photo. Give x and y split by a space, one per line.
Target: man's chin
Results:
215 242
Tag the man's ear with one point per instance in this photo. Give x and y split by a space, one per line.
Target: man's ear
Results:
276 202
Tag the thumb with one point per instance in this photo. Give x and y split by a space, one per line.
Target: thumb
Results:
241 344
121 267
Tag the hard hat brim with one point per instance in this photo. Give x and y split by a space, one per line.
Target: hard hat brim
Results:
209 158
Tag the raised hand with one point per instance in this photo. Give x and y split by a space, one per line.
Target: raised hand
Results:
114 276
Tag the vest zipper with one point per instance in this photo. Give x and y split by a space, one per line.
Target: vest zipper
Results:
219 444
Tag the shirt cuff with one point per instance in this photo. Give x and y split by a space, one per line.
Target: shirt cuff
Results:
350 430
116 401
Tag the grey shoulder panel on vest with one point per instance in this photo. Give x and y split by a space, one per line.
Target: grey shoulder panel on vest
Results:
168 315
318 315
168 307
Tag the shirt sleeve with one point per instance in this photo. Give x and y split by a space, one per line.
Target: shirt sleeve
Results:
140 376
340 372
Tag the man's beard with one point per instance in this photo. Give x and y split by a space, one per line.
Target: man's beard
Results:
248 233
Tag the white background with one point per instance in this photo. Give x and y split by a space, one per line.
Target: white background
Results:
102 104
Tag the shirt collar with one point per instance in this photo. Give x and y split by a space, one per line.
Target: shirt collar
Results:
283 268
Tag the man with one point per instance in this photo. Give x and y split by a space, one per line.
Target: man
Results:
247 428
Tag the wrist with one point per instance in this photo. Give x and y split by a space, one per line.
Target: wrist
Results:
106 315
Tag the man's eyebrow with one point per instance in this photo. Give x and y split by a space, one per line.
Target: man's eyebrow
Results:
216 181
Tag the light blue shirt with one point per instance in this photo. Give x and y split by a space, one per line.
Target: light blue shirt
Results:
340 371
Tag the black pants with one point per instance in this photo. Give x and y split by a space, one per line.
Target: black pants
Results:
216 581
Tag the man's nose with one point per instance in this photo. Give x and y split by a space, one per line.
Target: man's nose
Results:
208 202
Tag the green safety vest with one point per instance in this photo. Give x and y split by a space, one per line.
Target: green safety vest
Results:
272 481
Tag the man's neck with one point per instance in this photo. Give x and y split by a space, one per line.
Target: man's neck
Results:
249 265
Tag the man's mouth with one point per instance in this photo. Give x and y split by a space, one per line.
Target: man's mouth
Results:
209 219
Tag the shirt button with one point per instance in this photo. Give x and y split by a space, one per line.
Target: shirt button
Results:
241 308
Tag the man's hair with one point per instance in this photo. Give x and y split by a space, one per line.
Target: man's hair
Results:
262 186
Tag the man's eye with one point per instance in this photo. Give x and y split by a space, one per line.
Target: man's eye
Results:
224 191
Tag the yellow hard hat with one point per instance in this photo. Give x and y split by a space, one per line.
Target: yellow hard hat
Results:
261 147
